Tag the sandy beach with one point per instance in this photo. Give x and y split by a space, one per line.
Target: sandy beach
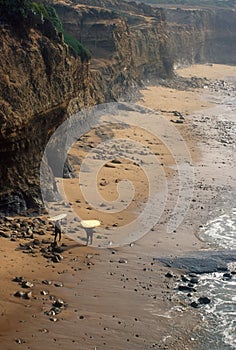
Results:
120 298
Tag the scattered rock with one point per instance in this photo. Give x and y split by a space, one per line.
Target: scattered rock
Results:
28 295
36 242
44 292
19 341
4 234
89 256
58 284
204 300
59 303
194 304
202 261
19 294
169 275
116 161
184 278
27 284
227 276
18 279
43 330
194 280
47 282
183 288
123 261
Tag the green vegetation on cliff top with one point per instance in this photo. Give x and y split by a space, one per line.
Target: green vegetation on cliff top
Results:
13 8
197 3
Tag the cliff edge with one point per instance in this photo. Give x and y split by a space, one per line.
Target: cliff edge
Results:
42 81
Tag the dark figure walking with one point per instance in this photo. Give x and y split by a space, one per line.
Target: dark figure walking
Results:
89 233
57 231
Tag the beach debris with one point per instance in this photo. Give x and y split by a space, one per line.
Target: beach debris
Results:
123 261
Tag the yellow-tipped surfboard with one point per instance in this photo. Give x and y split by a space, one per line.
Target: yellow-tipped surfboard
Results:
90 223
59 217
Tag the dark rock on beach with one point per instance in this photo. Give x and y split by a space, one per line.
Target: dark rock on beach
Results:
183 288
202 262
194 304
227 276
204 300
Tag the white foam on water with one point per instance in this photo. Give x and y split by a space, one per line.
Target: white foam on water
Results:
221 231
221 312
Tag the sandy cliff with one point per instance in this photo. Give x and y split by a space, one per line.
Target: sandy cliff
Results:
38 78
202 35
42 82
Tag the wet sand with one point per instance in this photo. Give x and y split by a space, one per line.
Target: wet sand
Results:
114 303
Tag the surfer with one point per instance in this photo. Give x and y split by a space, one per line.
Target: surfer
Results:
89 227
89 233
57 231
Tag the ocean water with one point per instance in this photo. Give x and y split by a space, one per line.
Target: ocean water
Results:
219 326
220 315
220 232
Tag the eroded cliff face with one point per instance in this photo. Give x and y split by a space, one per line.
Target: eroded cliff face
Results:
128 43
38 78
202 35
42 82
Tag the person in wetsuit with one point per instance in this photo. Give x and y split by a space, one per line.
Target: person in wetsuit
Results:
57 231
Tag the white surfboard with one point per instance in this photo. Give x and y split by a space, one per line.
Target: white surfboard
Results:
59 217
90 223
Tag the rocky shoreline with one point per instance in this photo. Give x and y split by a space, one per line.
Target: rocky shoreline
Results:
85 298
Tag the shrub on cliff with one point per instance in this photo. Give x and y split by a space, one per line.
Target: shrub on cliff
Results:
49 13
19 11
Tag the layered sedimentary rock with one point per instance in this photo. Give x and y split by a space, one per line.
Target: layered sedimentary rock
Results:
42 82
128 42
202 35
38 78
